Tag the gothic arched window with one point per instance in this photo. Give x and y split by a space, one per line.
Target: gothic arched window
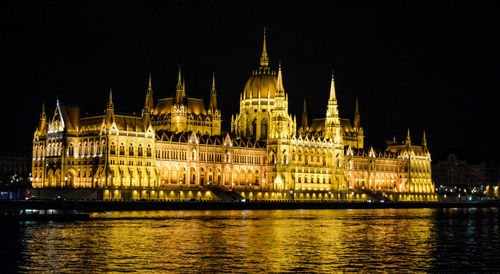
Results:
131 150
263 128
254 128
112 149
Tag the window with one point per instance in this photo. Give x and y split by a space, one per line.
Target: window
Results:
112 149
122 149
131 150
139 151
263 128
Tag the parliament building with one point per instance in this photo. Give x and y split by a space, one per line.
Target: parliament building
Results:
176 149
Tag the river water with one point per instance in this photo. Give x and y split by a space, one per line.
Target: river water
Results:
393 240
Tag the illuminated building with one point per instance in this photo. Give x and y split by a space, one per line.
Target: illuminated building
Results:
177 150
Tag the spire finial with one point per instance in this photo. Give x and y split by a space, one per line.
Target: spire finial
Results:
408 139
424 140
183 87
179 80
213 82
304 116
264 59
213 95
357 122
332 88
43 115
150 87
279 86
110 100
149 104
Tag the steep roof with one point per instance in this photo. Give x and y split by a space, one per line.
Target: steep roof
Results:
130 123
163 106
71 117
195 106
318 124
91 123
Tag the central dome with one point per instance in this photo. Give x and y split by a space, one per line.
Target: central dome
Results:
263 82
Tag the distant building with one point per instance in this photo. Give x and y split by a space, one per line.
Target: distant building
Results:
454 172
177 150
14 167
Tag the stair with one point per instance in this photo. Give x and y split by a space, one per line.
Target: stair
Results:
374 196
225 194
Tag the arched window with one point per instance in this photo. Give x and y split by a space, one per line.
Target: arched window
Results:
254 128
148 152
139 150
71 150
112 149
263 129
122 149
131 150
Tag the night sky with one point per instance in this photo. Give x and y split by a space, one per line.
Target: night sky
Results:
424 66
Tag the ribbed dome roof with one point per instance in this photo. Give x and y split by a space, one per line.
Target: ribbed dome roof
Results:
262 80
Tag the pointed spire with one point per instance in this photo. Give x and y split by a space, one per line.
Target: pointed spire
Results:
179 83
213 82
110 111
424 141
149 104
43 116
180 92
183 88
43 122
213 95
357 122
304 116
279 86
332 89
110 100
408 139
150 87
264 59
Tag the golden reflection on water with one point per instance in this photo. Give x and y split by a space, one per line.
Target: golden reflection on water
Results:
277 240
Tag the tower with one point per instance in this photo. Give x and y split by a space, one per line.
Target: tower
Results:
424 144
110 110
179 107
214 111
303 125
42 125
357 128
281 129
333 135
179 91
332 121
257 100
147 111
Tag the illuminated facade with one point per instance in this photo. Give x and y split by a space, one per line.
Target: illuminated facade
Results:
177 150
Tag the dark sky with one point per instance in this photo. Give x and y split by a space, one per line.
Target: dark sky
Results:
411 64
